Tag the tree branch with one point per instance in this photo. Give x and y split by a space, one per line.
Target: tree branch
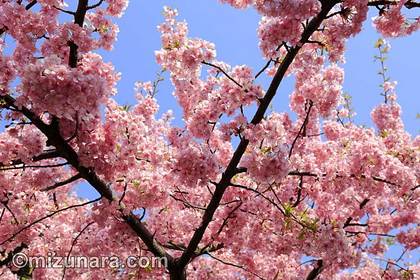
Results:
27 7
64 149
231 169
63 183
235 265
302 128
316 271
48 216
10 255
72 246
95 5
79 18
409 4
220 69
148 238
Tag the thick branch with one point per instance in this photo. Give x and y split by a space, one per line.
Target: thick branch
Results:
231 169
79 18
31 4
148 238
63 148
67 152
315 271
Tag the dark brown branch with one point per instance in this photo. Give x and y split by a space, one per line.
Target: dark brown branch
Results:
63 183
271 60
2 213
65 11
67 152
31 4
186 203
6 206
72 246
12 167
231 169
369 233
302 128
46 155
335 13
271 201
348 222
48 216
184 200
172 246
220 69
148 238
299 193
95 5
316 271
356 225
229 216
363 203
210 248
309 174
79 18
123 194
235 265
322 45
263 68
63 149
27 7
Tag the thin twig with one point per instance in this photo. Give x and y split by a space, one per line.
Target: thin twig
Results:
65 11
48 216
95 5
63 183
223 71
235 265
72 245
302 128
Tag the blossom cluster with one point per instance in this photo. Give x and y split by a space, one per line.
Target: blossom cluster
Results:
302 192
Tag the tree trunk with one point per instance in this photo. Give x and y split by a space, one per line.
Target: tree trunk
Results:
178 274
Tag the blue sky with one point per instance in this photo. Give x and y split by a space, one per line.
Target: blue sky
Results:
234 33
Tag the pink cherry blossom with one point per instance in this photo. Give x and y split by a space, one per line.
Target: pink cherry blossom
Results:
234 189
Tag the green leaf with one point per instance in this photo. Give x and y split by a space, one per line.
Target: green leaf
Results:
379 43
389 241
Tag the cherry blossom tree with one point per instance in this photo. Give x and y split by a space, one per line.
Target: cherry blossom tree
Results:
230 194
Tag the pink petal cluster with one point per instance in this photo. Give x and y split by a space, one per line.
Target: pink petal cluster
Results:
300 10
392 23
387 117
238 3
49 85
322 88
